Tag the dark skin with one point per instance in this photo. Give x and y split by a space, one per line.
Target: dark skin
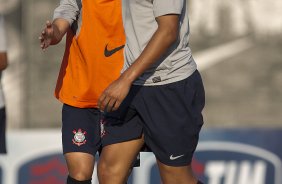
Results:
163 38
3 60
53 33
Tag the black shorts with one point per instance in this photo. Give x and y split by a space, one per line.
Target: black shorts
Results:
170 116
82 129
3 131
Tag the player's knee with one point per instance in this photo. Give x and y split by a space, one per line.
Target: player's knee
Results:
106 170
80 165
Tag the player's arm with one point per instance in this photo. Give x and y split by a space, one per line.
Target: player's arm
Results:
3 60
64 15
3 45
165 35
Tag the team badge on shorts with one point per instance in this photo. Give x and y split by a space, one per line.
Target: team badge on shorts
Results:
79 137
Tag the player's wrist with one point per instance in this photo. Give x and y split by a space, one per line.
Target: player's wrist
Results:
128 76
56 34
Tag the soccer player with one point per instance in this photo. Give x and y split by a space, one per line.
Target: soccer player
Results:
3 66
160 85
93 58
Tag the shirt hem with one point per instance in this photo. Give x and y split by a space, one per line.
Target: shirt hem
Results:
168 81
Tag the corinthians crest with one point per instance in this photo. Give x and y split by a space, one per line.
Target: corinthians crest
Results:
79 137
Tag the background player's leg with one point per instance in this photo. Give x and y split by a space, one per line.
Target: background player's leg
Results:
116 161
3 131
176 175
80 165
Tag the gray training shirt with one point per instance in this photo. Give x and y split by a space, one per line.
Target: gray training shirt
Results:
140 25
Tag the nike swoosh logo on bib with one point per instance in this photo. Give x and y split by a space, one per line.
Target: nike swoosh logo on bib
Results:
108 52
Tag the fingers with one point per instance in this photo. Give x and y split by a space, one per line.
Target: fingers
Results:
111 104
48 24
113 96
42 44
116 105
101 99
103 103
108 103
43 38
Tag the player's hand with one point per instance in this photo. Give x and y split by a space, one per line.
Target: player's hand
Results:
113 95
46 36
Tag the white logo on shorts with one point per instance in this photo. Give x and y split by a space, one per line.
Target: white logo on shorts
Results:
79 137
176 157
102 127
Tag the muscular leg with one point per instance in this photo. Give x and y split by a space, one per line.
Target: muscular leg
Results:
80 165
176 175
116 161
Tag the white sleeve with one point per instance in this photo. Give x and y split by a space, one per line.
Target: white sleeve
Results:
68 10
3 44
164 7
